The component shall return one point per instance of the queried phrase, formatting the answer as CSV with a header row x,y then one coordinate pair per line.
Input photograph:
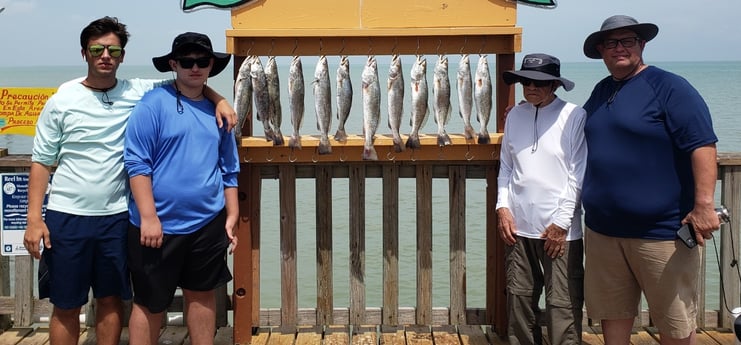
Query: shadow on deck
x,y
340,335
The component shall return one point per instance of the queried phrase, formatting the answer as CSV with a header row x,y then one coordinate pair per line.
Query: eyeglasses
x,y
201,62
97,50
537,83
625,42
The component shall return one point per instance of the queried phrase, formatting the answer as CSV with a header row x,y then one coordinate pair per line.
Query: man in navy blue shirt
x,y
651,167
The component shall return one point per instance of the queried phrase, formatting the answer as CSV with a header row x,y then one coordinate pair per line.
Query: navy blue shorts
x,y
196,261
86,251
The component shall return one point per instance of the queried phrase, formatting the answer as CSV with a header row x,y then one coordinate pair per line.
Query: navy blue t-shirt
x,y
640,135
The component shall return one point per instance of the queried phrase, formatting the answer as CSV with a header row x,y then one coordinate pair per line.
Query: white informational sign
x,y
14,210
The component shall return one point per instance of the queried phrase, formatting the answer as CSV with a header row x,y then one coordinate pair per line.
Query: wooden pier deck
x,y
344,335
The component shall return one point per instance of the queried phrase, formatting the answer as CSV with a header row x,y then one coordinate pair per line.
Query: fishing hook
x,y
313,155
292,155
321,46
416,52
342,49
440,155
272,46
247,160
468,155
439,44
396,42
483,44
390,156
249,50
463,47
295,45
269,156
412,157
370,46
343,157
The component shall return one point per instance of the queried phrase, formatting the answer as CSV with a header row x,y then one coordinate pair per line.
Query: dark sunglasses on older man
x,y
97,50
537,83
201,62
625,42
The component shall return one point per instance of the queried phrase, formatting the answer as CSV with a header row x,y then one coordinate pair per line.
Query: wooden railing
x,y
20,307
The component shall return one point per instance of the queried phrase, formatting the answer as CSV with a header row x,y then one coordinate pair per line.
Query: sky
x,y
46,32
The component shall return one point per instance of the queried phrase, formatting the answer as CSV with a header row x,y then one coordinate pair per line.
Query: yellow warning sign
x,y
20,108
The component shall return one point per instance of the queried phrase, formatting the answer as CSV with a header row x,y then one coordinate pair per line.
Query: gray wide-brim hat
x,y
192,41
538,67
646,31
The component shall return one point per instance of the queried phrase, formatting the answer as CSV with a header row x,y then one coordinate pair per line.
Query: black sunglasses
x,y
97,50
201,62
537,83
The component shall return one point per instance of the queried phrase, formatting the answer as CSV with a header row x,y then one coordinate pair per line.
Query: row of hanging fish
x,y
257,89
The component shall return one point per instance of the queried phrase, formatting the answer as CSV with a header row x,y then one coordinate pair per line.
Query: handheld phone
x,y
687,235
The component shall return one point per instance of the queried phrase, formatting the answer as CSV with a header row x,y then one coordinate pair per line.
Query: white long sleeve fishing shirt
x,y
543,156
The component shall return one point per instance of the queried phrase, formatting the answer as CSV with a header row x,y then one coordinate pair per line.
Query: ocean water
x,y
716,81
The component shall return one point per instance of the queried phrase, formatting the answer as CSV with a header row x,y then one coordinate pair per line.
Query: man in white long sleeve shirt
x,y
542,161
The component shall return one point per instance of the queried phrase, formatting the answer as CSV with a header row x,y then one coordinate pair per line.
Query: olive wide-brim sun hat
x,y
192,41
646,31
538,67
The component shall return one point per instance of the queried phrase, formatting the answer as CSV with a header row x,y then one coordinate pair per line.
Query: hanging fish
x,y
243,96
441,92
465,96
344,97
371,107
296,100
419,101
482,94
260,96
275,113
396,101
323,104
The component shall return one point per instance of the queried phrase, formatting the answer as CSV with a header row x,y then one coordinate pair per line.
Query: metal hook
x,y
481,49
416,52
246,160
343,47
272,46
269,157
321,46
343,157
390,156
412,157
468,156
292,155
439,44
393,49
370,46
313,155
295,45
249,50
463,47
440,155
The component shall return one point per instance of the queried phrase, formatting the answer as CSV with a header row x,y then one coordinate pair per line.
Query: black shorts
x,y
196,261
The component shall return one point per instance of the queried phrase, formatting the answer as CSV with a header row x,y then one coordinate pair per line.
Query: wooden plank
x,y
457,244
336,335
13,336
496,298
364,335
730,286
124,339
640,337
419,335
494,338
390,245
445,335
256,150
88,336
357,244
392,335
24,282
309,335
324,252
5,321
288,264
224,336
720,337
591,336
283,335
472,335
424,244
173,335
244,284
39,336
261,336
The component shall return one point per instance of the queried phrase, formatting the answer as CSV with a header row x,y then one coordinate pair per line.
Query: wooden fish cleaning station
x,y
379,27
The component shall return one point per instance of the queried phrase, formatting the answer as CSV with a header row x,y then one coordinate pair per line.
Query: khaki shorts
x,y
618,269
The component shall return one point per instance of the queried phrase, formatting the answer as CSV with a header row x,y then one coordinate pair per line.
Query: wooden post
x,y
730,292
390,311
457,251
357,244
324,293
424,244
289,274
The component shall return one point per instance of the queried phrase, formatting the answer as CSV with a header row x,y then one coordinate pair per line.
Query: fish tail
x,y
484,137
278,138
324,146
294,141
413,141
340,135
469,132
443,139
369,153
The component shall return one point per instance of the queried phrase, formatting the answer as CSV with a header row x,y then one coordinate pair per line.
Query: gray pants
x,y
528,270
